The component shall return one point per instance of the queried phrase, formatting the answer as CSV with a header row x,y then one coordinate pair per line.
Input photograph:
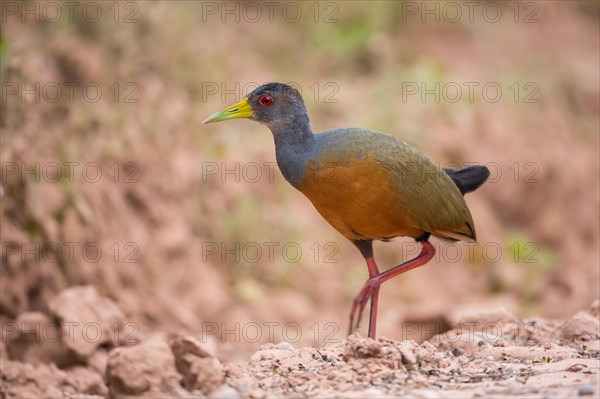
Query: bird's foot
x,y
370,290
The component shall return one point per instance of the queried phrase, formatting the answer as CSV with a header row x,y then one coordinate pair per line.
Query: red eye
x,y
266,100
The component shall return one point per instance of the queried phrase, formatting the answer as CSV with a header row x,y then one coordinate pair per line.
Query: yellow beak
x,y
239,110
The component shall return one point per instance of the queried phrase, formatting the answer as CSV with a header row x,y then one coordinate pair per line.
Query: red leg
x,y
360,300
373,313
371,287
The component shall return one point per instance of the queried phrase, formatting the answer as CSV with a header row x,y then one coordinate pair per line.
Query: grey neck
x,y
294,142
294,131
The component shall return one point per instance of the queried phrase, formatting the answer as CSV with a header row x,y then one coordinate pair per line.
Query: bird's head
x,y
272,104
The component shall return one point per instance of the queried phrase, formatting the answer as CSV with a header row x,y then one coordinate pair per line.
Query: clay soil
x,y
490,354
156,278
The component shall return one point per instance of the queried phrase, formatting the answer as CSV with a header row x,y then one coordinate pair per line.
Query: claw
x,y
367,292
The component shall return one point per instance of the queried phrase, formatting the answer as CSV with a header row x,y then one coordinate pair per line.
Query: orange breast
x,y
358,198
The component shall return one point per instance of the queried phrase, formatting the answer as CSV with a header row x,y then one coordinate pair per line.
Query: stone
x,y
200,370
482,321
595,308
362,348
581,326
36,338
26,380
187,344
87,319
585,389
225,392
147,369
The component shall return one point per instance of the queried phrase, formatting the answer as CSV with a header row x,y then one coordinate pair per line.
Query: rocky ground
x,y
128,317
83,349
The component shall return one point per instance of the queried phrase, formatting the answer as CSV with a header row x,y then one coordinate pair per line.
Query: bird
x,y
368,185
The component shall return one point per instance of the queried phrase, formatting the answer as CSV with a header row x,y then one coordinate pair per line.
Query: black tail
x,y
470,178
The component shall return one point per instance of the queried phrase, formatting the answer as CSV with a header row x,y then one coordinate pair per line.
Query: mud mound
x,y
485,354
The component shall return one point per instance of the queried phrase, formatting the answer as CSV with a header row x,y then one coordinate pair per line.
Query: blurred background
x,y
110,179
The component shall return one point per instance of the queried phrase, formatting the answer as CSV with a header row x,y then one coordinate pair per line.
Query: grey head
x,y
280,107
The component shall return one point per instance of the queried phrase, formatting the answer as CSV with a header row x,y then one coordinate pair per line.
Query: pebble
x,y
83,306
581,325
458,352
366,394
428,394
489,358
284,345
225,392
585,389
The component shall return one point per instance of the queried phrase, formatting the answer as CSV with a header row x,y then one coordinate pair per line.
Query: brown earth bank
x,y
135,282
82,348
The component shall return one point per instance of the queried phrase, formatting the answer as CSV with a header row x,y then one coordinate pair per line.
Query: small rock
x,y
576,367
514,386
271,353
26,380
468,342
188,344
482,321
87,381
204,374
408,356
593,345
284,345
369,393
362,348
585,389
199,369
225,392
146,369
458,352
595,308
529,354
98,361
581,326
428,394
37,339
88,320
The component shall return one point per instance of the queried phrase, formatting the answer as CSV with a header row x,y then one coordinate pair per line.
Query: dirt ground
x,y
144,281
491,354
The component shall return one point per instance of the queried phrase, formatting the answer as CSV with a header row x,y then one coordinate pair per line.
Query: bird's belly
x,y
359,200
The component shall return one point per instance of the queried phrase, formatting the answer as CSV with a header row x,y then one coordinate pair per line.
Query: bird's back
x,y
371,185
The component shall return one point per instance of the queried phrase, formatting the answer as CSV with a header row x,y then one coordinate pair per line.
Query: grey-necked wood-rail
x,y
367,185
